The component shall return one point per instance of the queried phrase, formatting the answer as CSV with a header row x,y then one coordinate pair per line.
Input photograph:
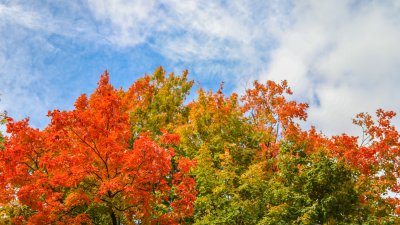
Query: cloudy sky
x,y
340,56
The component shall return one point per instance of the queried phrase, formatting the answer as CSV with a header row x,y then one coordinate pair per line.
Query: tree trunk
x,y
113,218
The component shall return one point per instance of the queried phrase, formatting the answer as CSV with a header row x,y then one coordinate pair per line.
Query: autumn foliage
x,y
86,160
146,156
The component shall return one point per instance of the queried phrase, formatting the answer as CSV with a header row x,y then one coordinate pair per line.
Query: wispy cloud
x,y
341,56
207,33
17,75
25,91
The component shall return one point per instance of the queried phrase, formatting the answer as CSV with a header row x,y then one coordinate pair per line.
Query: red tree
x,y
85,167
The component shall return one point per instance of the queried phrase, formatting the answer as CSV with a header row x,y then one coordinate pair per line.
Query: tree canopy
x,y
148,155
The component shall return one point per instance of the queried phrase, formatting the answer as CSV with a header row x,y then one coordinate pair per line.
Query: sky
x,y
340,56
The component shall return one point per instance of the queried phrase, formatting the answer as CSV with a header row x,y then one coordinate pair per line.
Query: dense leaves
x,y
82,168
149,156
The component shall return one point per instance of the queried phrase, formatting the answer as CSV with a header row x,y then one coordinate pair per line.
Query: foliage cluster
x,y
148,156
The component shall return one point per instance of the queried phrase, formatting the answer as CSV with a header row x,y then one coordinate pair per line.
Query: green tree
x,y
224,136
310,189
223,143
157,101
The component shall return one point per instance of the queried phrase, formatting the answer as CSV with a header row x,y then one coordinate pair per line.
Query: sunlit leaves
x,y
147,156
89,158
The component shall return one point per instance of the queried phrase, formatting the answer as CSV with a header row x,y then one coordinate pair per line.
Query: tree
x,y
224,135
219,138
375,158
87,167
310,188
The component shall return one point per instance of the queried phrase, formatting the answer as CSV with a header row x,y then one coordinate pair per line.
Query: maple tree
x,y
148,156
375,157
85,167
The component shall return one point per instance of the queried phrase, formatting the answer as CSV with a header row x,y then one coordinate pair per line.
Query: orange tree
x,y
86,167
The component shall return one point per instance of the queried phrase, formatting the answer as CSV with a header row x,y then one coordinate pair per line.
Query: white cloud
x,y
197,32
25,91
16,76
344,52
15,14
132,22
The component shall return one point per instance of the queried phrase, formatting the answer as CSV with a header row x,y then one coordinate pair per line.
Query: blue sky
x,y
340,56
